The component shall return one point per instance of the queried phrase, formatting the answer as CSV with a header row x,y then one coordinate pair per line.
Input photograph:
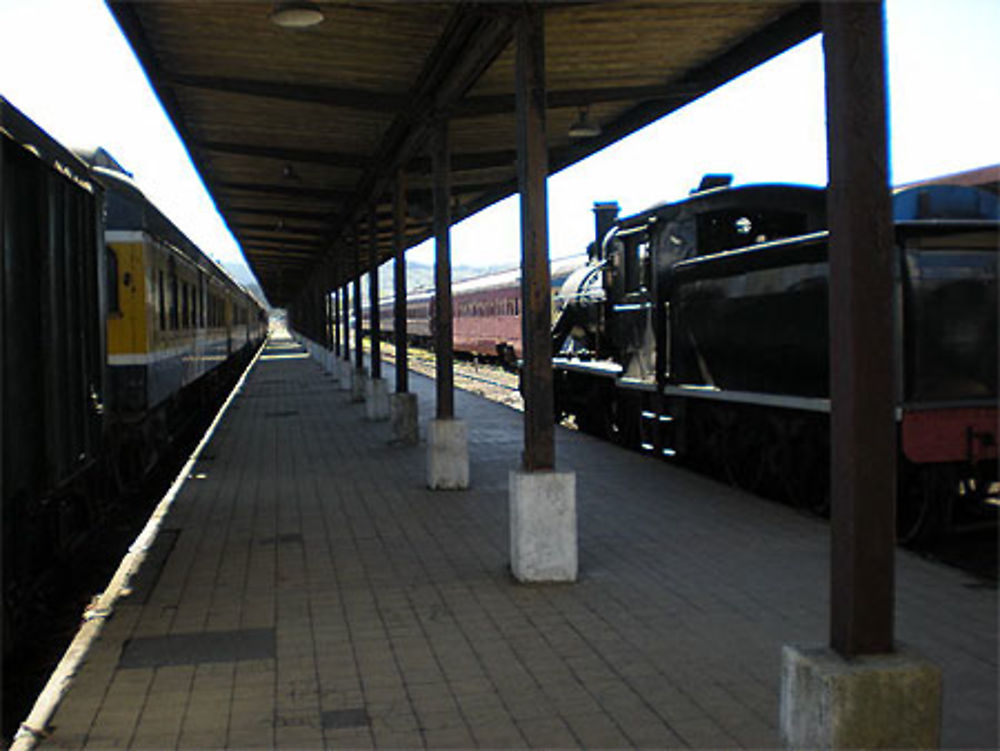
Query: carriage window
x,y
163,304
174,299
112,263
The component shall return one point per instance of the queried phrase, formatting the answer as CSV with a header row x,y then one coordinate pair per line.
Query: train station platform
x,y
306,590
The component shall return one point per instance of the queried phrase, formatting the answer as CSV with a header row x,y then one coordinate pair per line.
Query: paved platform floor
x,y
308,591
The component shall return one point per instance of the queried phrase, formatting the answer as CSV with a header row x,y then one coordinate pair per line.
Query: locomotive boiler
x,y
699,330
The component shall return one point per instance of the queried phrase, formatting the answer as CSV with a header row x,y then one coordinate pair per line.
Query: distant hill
x,y
419,276
241,274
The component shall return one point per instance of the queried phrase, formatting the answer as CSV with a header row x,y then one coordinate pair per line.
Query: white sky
x,y
64,63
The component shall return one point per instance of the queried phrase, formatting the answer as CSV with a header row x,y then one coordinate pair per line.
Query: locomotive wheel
x,y
133,456
710,428
924,496
744,458
699,454
802,466
595,421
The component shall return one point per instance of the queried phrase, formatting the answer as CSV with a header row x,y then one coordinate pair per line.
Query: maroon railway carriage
x,y
486,310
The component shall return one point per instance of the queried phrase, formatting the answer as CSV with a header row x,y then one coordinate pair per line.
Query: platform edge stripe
x,y
34,728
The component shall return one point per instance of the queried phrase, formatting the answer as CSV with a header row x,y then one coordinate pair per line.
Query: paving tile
x,y
458,738
348,739
390,599
596,731
498,734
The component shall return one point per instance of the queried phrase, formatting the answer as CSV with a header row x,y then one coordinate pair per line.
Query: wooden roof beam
x,y
292,191
323,217
276,227
381,102
288,154
498,104
792,28
472,39
296,242
460,162
333,96
264,255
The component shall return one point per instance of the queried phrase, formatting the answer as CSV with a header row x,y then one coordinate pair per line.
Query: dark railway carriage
x,y
708,339
52,339
108,316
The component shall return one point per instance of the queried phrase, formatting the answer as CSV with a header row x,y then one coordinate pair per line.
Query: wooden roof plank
x,y
309,128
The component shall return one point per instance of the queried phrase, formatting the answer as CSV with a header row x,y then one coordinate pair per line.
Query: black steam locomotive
x,y
699,330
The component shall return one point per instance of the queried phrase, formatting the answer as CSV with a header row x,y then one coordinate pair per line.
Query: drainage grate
x,y
336,719
191,649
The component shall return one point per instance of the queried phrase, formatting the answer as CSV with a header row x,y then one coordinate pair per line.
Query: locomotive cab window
x,y
739,228
645,265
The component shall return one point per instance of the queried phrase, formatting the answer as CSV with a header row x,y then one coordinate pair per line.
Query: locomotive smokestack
x,y
605,215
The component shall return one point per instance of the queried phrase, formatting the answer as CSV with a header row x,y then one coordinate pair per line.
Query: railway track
x,y
483,379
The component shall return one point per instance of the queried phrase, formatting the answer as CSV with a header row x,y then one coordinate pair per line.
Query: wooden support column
x,y
374,314
543,540
863,432
309,305
328,303
324,300
831,697
440,158
536,315
336,318
359,353
399,307
345,308
319,316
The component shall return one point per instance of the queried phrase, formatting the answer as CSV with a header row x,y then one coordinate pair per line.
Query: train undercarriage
x,y
778,453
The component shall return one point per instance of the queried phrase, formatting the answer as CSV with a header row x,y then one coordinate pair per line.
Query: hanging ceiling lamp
x,y
296,14
584,127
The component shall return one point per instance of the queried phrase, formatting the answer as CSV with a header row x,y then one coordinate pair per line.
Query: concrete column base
x,y
376,399
447,455
344,369
872,702
543,545
403,418
358,380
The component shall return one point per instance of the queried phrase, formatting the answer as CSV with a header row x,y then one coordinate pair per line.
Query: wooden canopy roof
x,y
297,133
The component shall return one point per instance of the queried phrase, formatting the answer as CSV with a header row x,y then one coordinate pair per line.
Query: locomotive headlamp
x,y
296,14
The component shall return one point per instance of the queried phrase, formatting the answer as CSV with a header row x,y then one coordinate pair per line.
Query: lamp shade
x,y
584,127
296,14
